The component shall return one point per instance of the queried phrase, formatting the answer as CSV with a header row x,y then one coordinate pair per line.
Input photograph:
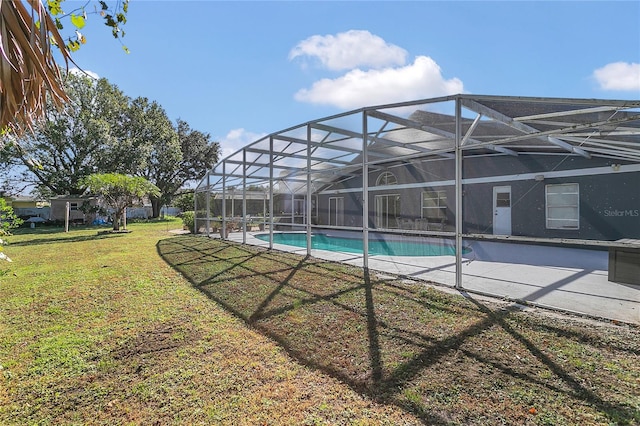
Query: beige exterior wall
x,y
58,209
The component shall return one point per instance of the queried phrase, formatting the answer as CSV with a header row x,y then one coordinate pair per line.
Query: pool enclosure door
x,y
501,210
387,211
336,211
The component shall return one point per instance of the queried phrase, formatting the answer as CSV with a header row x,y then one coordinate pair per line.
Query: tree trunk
x,y
117,216
156,205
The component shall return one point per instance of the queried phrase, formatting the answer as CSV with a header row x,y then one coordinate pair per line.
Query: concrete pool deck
x,y
496,270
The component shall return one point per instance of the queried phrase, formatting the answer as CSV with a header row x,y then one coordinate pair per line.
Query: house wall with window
x,y
58,208
545,196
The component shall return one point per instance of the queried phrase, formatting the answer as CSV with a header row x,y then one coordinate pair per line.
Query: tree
x,y
147,133
157,142
73,142
119,191
28,71
171,167
101,130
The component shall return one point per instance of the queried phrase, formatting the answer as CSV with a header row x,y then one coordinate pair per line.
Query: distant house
x,y
79,208
26,207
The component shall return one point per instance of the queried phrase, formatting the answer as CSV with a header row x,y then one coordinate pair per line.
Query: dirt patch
x,y
165,337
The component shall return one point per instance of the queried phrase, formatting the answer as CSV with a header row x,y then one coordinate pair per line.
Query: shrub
x,y
8,220
184,201
188,219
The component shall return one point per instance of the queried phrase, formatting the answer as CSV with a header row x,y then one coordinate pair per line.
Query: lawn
x,y
154,328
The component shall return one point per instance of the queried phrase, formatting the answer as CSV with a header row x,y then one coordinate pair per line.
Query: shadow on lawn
x,y
444,361
65,238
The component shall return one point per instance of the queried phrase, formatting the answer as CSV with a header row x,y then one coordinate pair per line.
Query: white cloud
x,y
357,88
351,49
78,71
619,76
237,139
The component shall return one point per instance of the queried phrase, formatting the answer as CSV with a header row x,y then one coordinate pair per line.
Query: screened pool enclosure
x,y
534,199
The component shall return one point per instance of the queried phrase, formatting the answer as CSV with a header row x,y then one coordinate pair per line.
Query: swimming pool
x,y
353,244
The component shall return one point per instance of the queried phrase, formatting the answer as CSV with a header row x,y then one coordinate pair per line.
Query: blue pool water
x,y
377,246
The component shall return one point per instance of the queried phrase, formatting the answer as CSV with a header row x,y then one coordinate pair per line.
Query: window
x,y
386,178
434,205
562,203
73,206
503,199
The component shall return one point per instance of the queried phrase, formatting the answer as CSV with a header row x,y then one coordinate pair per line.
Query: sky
x,y
240,70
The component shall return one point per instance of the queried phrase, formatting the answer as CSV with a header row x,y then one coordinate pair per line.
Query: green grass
x,y
149,327
99,329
